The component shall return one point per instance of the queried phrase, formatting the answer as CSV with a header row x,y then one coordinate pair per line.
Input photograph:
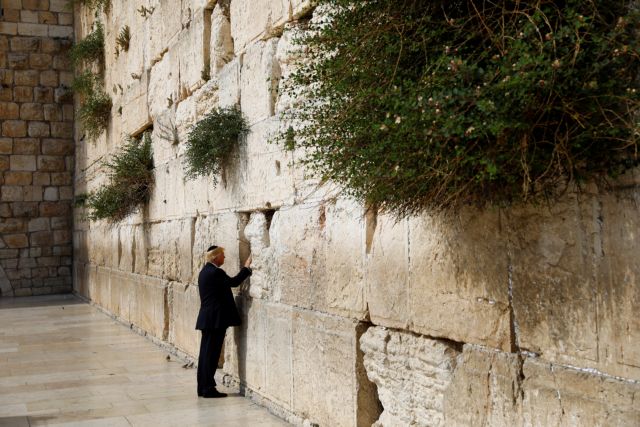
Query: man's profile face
x,y
219,260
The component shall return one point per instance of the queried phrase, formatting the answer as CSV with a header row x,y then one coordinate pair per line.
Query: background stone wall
x,y
36,147
524,316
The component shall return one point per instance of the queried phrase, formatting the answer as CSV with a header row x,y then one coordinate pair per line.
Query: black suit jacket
x,y
217,306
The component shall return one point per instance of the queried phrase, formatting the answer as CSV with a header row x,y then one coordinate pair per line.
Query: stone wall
x,y
524,316
36,147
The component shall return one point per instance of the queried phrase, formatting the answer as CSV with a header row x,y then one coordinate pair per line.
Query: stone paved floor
x,y
64,363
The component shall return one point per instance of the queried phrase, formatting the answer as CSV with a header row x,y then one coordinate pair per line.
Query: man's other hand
x,y
247,263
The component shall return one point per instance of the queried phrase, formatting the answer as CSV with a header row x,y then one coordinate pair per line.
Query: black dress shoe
x,y
213,394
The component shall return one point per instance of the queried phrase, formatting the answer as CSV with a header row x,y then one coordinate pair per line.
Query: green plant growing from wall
x,y
212,140
84,83
123,39
130,182
95,105
414,105
90,49
95,112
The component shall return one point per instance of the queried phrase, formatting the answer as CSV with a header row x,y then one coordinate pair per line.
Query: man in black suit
x,y
217,312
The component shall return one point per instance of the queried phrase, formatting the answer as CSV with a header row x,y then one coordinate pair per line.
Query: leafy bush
x,y
84,83
212,140
418,104
131,178
90,49
95,112
123,39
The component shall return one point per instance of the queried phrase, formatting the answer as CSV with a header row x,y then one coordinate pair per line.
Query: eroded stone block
x,y
411,372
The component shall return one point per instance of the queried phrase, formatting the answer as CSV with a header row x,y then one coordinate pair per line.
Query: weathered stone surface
x,y
485,389
169,250
184,303
229,83
253,19
259,78
296,261
135,108
460,262
221,41
561,259
411,372
193,51
566,396
163,84
501,389
324,354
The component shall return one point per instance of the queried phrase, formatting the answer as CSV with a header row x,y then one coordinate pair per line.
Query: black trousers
x,y
210,347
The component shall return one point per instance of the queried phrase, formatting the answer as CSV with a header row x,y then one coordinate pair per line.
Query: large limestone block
x,y
123,287
229,193
458,286
298,264
196,196
80,245
485,389
259,79
257,235
411,372
221,43
169,249
122,64
164,25
553,280
165,138
148,304
278,346
139,250
618,295
135,108
167,197
228,77
185,118
100,290
344,248
185,304
387,270
81,278
289,55
253,19
245,355
267,165
163,84
103,245
324,368
556,395
192,49
126,247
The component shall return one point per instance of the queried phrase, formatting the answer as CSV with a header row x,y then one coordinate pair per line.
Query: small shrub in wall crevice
x,y
212,140
95,113
427,104
123,40
90,49
130,182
